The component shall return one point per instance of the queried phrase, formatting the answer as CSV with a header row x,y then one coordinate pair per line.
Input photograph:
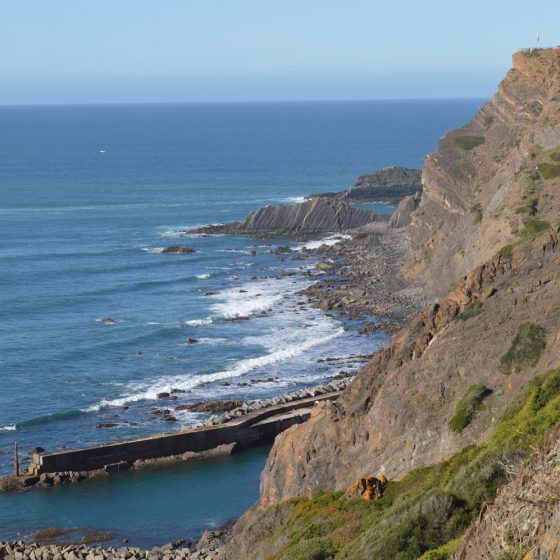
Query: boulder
x,y
178,249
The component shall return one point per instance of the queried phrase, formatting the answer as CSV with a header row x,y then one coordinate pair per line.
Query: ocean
x,y
89,195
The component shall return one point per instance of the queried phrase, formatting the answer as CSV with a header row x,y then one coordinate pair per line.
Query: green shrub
x,y
468,143
513,555
525,350
505,251
530,208
476,209
488,120
548,170
533,227
555,156
442,552
467,407
545,391
473,309
491,291
316,548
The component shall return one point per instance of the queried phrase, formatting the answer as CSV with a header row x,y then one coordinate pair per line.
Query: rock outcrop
x,y
403,214
390,184
178,249
316,215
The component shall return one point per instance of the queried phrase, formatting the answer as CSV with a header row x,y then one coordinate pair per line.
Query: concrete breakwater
x,y
252,424
286,398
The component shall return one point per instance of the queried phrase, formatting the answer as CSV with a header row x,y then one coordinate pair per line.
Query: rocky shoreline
x,y
358,279
207,548
362,281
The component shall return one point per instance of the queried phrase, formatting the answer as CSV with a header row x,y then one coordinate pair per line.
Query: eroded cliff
x,y
483,181
485,233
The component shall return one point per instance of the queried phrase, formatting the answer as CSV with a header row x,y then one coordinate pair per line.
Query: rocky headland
x,y
470,385
390,184
317,215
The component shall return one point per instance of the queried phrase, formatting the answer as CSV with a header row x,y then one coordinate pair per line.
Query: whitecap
x,y
152,249
203,276
182,231
199,322
328,241
139,392
11,428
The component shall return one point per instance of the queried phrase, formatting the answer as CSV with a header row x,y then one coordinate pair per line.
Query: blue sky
x,y
84,51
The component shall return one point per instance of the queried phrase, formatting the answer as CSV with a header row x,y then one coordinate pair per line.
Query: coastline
x,y
346,290
331,293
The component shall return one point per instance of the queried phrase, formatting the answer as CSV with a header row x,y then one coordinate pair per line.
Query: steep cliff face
x,y
395,415
482,176
488,223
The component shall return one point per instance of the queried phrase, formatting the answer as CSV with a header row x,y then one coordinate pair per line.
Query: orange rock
x,y
367,488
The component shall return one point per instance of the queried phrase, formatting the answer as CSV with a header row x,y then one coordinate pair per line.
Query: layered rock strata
x,y
314,216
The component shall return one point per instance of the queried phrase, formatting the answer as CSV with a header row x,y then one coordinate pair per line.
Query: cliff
x,y
394,416
483,182
390,184
483,241
316,215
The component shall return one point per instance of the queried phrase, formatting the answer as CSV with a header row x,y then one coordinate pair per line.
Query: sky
x,y
120,51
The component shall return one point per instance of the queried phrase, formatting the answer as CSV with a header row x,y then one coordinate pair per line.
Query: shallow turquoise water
x,y
149,508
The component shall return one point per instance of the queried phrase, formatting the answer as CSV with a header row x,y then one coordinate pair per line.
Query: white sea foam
x,y
152,249
203,276
212,341
328,241
139,392
199,322
240,251
254,297
11,428
294,199
181,231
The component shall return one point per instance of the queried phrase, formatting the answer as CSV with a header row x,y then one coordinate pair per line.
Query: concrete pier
x,y
252,429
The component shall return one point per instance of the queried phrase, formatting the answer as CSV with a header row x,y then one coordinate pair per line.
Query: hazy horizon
x,y
102,52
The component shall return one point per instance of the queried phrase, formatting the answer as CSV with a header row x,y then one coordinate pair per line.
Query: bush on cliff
x,y
425,513
468,143
525,350
471,310
467,407
549,170
533,228
316,548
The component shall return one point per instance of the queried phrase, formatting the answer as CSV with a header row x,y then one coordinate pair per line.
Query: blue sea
x,y
89,196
